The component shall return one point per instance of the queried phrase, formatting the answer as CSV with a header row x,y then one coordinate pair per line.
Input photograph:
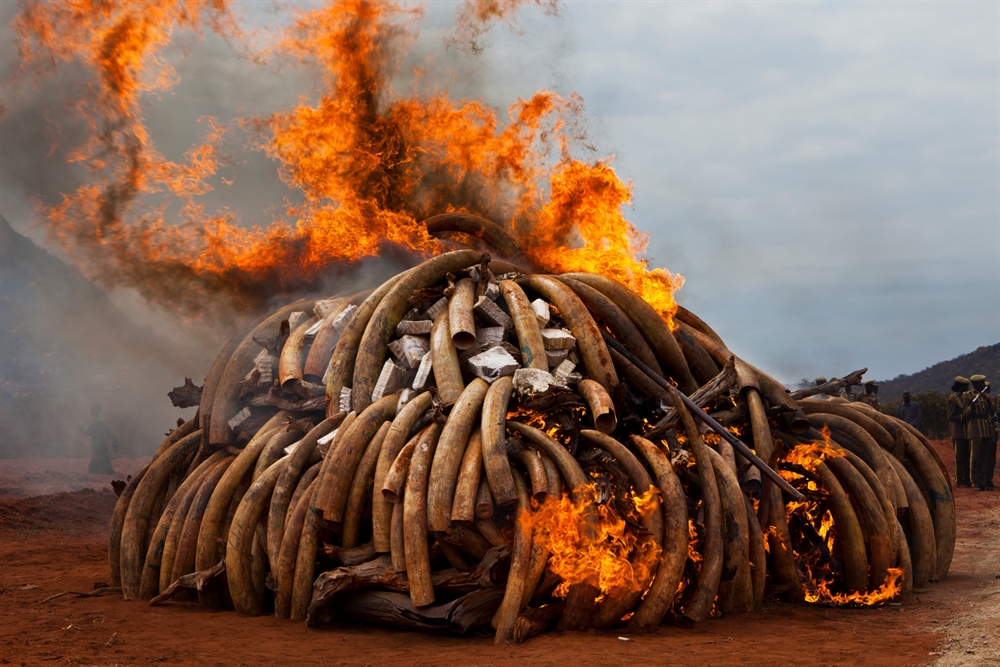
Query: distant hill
x,y
65,345
939,377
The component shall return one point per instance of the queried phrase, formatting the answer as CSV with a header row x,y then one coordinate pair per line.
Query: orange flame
x,y
890,589
368,164
809,456
591,543
814,535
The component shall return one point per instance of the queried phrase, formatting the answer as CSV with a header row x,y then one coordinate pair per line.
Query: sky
x,y
825,176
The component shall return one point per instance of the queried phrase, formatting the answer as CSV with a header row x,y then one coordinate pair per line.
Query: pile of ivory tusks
x,y
414,479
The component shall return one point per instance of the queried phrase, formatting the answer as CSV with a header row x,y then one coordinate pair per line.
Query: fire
x,y
367,163
891,588
809,456
592,543
694,542
814,535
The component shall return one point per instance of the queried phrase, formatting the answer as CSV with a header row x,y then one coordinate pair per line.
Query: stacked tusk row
x,y
461,447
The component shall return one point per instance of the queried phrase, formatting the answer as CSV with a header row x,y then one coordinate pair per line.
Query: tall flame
x,y
367,163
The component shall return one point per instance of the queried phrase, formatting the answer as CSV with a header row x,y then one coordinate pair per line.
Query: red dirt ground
x,y
54,543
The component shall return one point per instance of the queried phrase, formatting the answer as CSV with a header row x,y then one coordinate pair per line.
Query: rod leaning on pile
x,y
714,425
452,431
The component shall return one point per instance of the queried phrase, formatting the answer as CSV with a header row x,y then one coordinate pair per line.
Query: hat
x,y
978,378
868,382
961,380
821,380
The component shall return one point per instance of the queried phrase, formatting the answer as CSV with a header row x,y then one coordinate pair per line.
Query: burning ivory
x,y
472,444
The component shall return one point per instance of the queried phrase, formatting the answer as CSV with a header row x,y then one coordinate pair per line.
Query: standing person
x,y
956,424
978,428
991,448
870,396
823,397
909,411
102,441
847,394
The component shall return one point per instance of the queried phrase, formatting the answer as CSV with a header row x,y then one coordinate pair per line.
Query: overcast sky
x,y
824,175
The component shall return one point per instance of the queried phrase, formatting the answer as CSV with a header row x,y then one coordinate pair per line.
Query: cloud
x,y
824,175
829,171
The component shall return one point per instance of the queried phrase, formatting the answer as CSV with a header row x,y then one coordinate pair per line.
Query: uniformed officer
x,y
822,397
979,429
847,394
991,449
871,395
956,424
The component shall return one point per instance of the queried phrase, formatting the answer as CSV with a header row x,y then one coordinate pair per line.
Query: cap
x,y
821,380
961,380
869,382
978,378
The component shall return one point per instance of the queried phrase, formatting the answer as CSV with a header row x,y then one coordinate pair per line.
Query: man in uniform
x,y
979,428
870,396
847,394
909,411
956,424
991,448
102,441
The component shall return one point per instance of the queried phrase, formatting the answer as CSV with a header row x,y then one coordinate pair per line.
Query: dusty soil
x,y
55,543
23,478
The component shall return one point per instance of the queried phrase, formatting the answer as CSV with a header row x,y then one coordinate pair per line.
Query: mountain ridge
x,y
940,376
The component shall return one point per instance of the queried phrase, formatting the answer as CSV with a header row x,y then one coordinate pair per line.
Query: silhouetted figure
x,y
909,411
102,442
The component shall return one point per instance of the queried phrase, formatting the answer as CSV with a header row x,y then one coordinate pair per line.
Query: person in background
x,y
870,396
978,428
848,394
822,397
102,442
909,411
956,424
991,446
